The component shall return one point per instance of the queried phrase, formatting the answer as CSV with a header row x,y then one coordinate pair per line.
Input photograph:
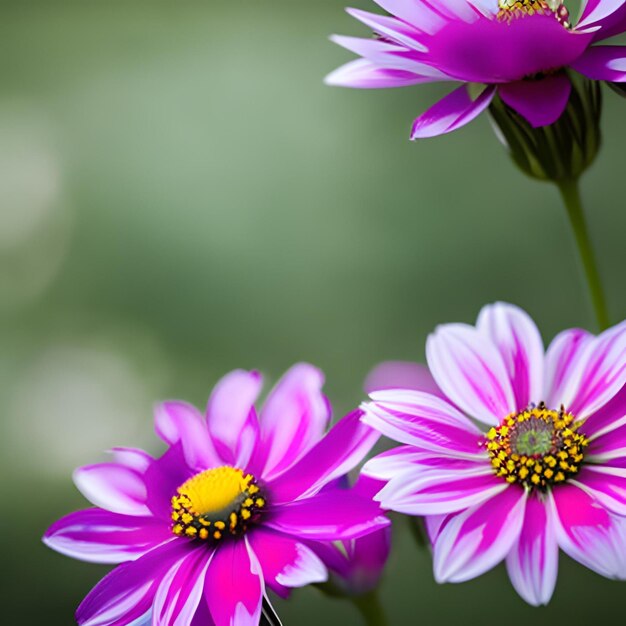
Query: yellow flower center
x,y
217,502
509,9
537,447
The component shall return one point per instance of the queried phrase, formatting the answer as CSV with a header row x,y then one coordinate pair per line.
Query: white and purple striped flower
x,y
228,511
519,49
511,453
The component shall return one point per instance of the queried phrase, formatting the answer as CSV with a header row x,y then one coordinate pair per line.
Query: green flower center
x,y
537,447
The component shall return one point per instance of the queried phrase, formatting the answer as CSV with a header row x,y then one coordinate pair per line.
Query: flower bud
x,y
561,151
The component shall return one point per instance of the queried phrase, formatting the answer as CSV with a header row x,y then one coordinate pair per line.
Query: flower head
x,y
518,50
230,509
517,452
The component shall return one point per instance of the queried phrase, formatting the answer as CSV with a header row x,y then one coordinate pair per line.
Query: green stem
x,y
570,193
368,604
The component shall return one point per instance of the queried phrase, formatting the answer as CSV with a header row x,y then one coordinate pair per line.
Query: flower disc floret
x,y
537,448
215,503
510,9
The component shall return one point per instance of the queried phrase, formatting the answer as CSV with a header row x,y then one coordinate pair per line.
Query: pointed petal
x,y
115,488
541,102
294,418
364,74
533,562
517,338
587,532
285,561
180,591
231,417
234,585
328,516
126,594
425,421
452,112
606,484
603,371
181,422
473,541
343,447
440,491
564,360
603,63
99,536
470,371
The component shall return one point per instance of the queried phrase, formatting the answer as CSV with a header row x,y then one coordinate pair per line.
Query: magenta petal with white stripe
x,y
235,598
100,536
547,469
452,112
113,487
603,63
522,49
533,561
337,514
477,539
459,357
231,506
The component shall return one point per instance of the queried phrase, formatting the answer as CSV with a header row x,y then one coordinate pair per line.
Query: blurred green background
x,y
181,195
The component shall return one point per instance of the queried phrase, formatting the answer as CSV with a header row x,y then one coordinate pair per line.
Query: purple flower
x,y
225,512
357,564
521,453
518,49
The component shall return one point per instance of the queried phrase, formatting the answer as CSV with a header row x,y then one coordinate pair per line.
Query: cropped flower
x,y
521,452
226,512
518,49
356,565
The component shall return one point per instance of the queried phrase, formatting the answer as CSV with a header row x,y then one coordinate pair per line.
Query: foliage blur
x,y
181,195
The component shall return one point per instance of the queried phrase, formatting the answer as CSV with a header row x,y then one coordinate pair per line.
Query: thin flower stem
x,y
370,608
570,193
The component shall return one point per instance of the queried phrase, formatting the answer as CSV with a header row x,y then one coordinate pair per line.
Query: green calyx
x,y
563,150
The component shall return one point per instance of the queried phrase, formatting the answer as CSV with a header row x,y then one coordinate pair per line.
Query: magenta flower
x,y
356,565
519,454
226,512
518,49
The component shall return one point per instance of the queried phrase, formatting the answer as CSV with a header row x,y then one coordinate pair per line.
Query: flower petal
x,y
328,516
439,491
401,375
285,561
606,484
452,112
603,371
596,12
234,585
126,594
564,360
181,422
473,541
587,532
343,447
294,418
427,422
603,63
231,417
541,102
517,338
102,537
181,590
606,428
115,488
471,372
363,74
533,562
